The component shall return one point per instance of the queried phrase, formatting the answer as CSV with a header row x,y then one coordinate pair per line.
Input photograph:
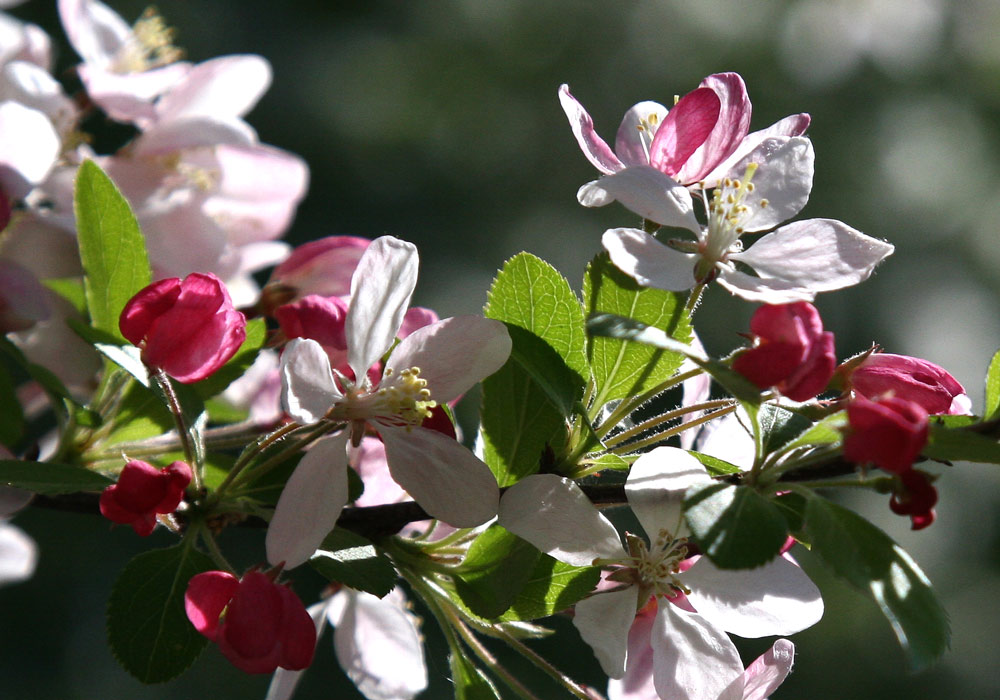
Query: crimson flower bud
x,y
259,625
793,353
323,267
318,318
143,491
916,497
889,433
188,328
909,378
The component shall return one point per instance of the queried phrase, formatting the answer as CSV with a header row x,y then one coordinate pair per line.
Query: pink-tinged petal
x,y
632,141
380,294
684,130
656,485
783,177
284,682
603,621
378,645
593,146
33,86
323,267
29,146
129,97
637,683
416,317
792,125
651,263
647,192
693,659
310,503
447,480
225,86
95,30
553,514
18,554
777,598
768,671
308,389
368,460
207,596
818,255
192,132
730,128
453,354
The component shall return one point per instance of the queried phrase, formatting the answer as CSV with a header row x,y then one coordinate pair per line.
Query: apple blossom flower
x,y
914,495
910,378
792,352
888,432
22,41
377,642
692,657
143,491
432,365
188,328
769,185
259,625
691,143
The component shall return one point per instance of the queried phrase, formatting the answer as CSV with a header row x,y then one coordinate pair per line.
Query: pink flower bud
x,y
793,353
322,267
909,378
889,433
320,319
259,625
143,491
188,328
916,497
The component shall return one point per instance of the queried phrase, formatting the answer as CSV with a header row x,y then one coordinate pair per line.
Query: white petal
x,y
695,391
18,554
552,513
692,659
378,645
728,438
784,178
777,598
637,683
792,125
95,30
768,671
817,254
283,682
764,291
648,192
307,386
453,354
228,86
29,146
656,485
650,262
380,294
310,503
629,139
447,480
604,620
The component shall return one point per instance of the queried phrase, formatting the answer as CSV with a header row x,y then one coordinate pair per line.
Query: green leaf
x,y
52,385
793,507
12,424
552,586
610,460
867,558
622,369
629,329
828,431
546,326
354,561
780,426
955,445
470,682
714,465
49,477
112,249
734,525
148,631
992,406
494,571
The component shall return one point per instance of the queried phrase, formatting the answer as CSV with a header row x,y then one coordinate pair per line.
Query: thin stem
x,y
651,423
251,452
163,381
540,662
670,432
213,550
694,296
628,405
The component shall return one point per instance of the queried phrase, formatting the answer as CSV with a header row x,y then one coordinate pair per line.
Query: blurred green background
x,y
438,122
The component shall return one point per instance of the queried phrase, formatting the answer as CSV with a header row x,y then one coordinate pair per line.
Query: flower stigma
x,y
401,399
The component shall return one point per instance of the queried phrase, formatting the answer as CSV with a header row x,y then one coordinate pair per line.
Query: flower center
x,y
150,46
401,399
728,213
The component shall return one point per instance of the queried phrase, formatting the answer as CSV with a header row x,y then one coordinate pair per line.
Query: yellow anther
x,y
764,203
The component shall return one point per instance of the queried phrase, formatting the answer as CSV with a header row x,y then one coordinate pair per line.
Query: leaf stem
x,y
651,423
